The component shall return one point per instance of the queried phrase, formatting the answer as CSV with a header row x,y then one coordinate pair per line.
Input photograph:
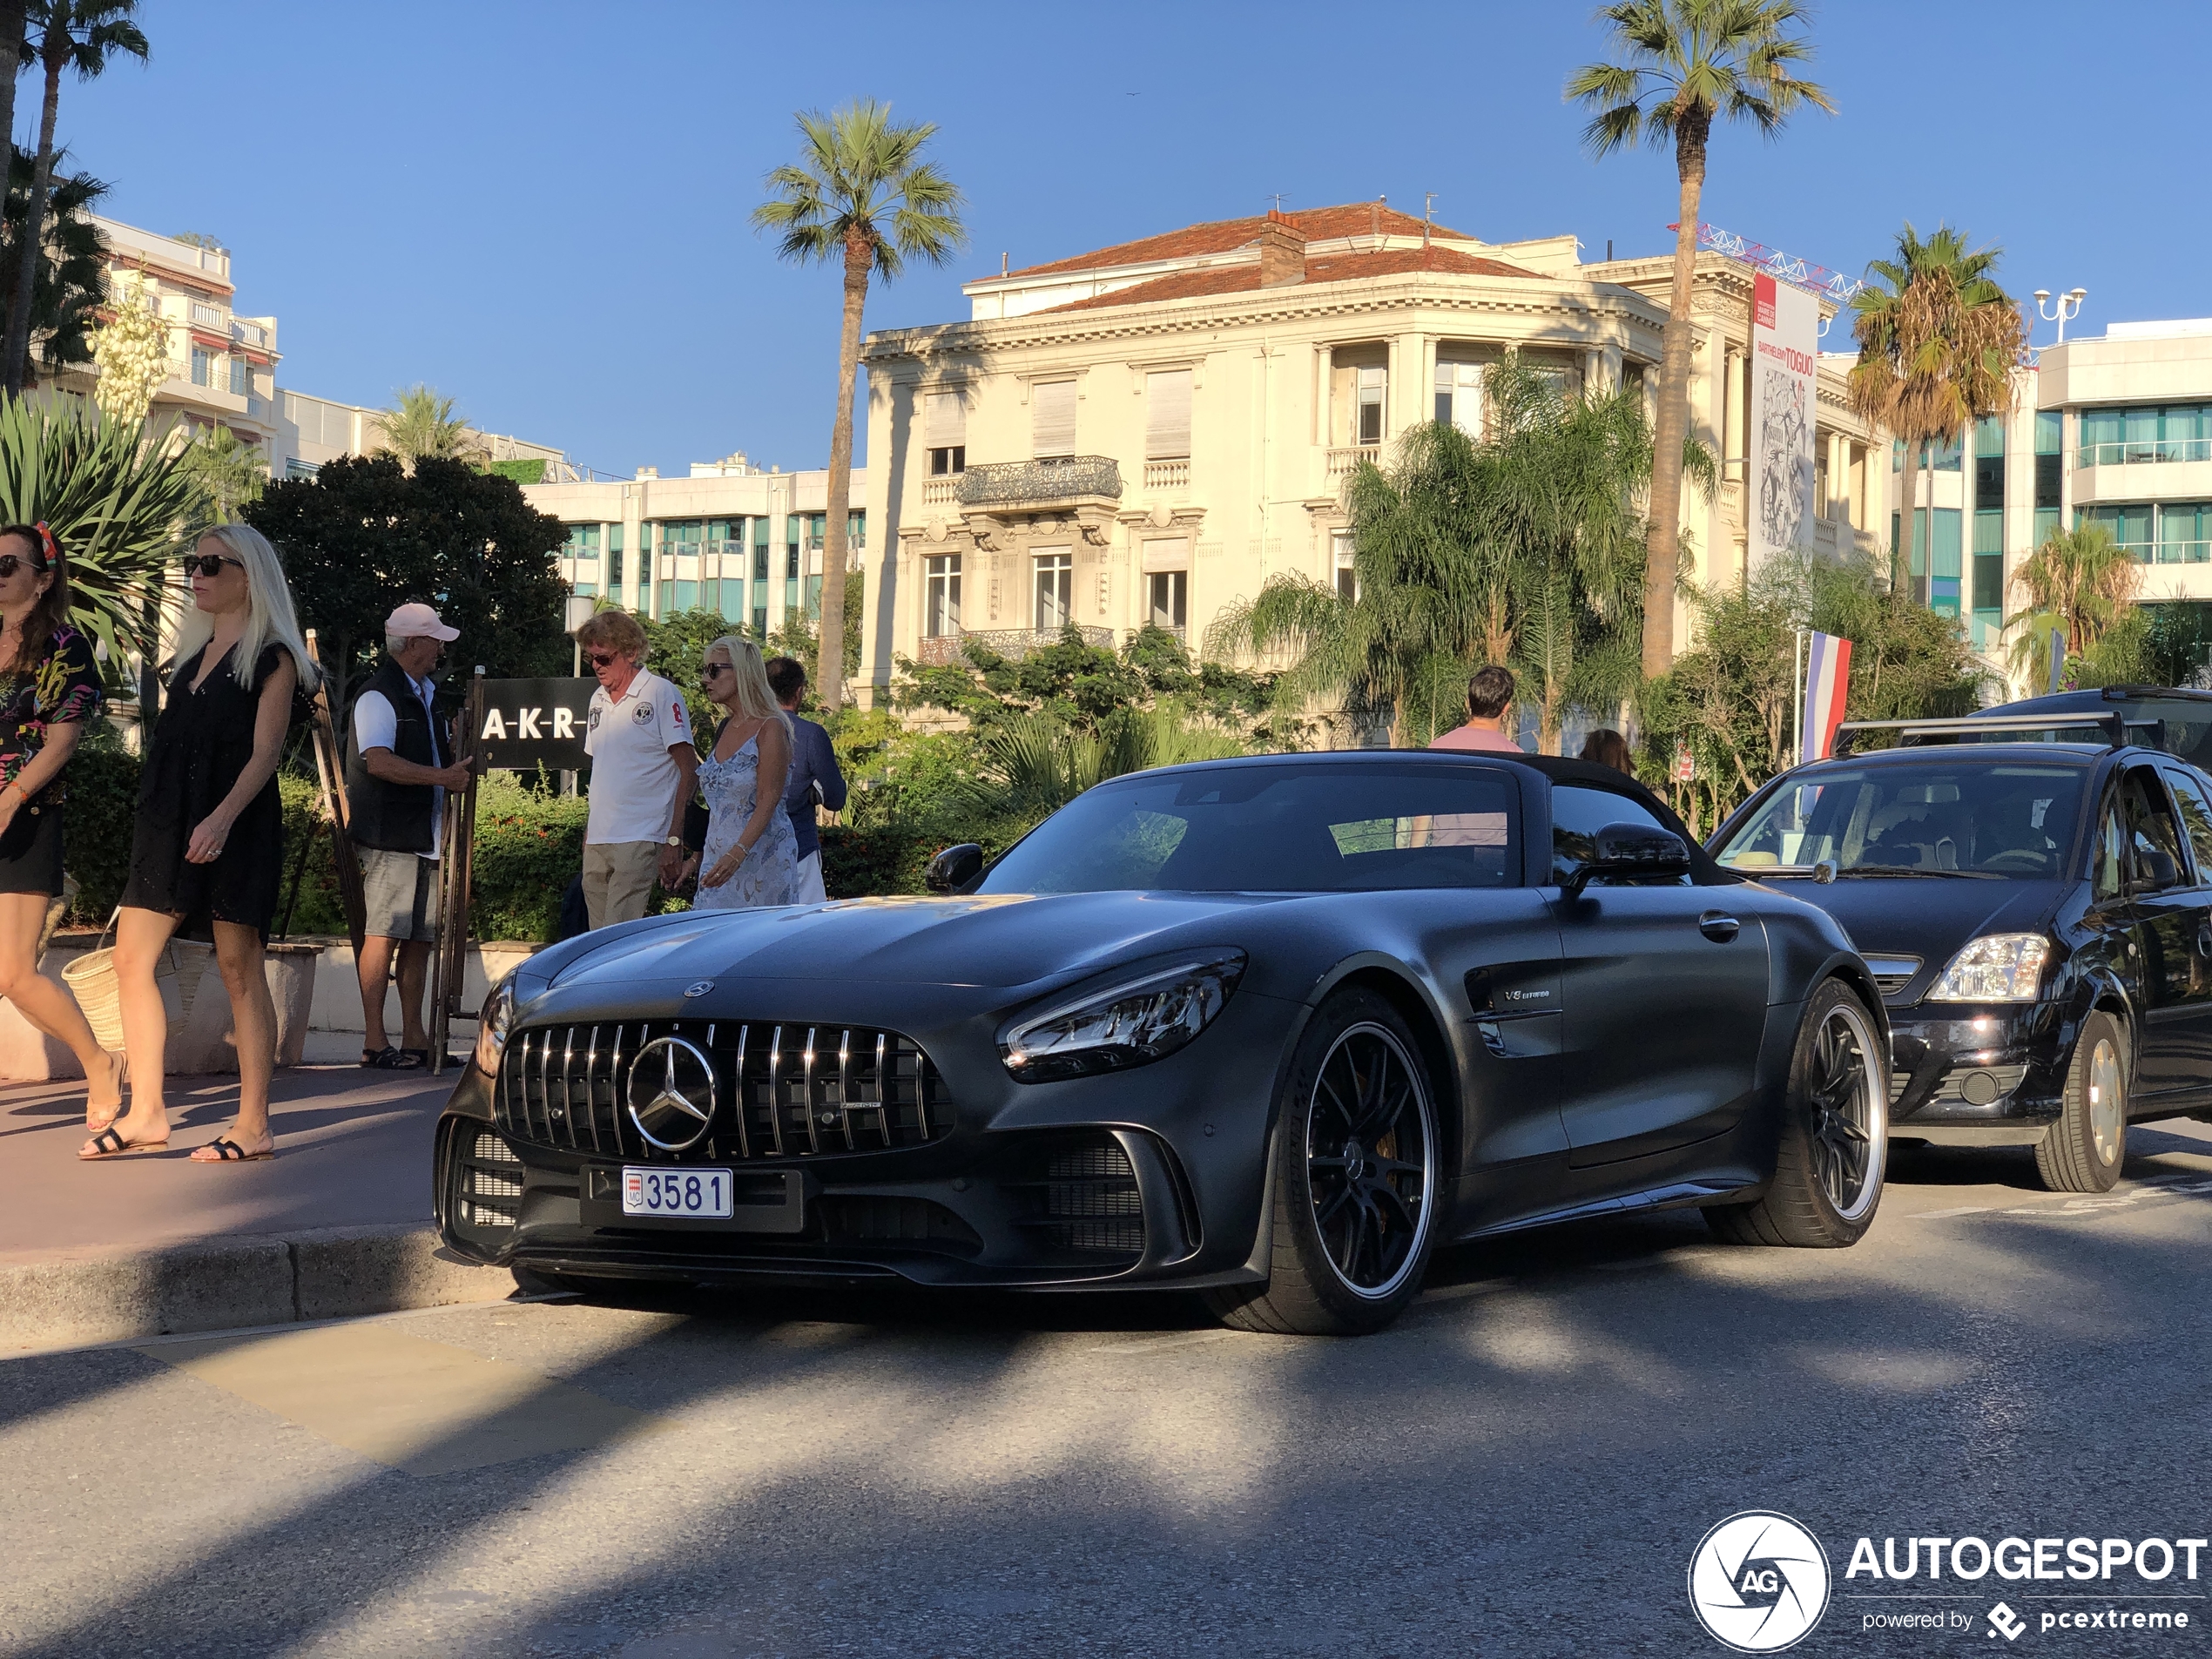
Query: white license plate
x,y
700,1195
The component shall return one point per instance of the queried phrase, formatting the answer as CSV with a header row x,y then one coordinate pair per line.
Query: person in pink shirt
x,y
1489,695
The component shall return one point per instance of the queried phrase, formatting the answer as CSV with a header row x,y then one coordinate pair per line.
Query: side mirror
x,y
2153,870
1629,850
955,869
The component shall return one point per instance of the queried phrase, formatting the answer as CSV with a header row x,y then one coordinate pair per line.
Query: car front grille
x,y
1892,973
1083,1199
490,1192
1967,1084
782,1090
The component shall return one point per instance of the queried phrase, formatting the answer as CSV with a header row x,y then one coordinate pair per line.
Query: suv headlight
x,y
493,1024
1129,1024
1997,967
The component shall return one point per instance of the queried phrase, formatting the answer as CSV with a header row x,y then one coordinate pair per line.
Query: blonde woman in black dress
x,y
210,840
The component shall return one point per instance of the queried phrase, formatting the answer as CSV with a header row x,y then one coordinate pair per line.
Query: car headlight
x,y
1129,1024
493,1024
1997,967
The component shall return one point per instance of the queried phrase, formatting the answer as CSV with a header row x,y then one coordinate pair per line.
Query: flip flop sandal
x,y
391,1059
418,1059
229,1151
112,1145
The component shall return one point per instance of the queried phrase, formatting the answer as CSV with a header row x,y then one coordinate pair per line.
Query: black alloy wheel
x,y
1354,1179
1833,1148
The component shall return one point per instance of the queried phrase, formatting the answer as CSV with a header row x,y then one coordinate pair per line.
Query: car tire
x,y
1355,1179
1829,1166
2082,1152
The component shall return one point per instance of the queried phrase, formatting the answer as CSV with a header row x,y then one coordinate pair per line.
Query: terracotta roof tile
x,y
1343,267
1317,224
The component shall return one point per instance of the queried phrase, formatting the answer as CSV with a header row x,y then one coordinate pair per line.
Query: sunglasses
x,y
715,670
209,563
11,563
601,658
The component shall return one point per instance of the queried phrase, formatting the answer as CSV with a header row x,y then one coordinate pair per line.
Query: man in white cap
x,y
399,764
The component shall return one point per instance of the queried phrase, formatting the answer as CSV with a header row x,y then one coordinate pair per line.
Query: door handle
x,y
2204,938
1718,927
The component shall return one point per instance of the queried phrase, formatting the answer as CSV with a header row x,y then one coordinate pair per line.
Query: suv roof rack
x,y
2112,724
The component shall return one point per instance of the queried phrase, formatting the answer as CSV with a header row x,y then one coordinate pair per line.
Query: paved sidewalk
x,y
337,1221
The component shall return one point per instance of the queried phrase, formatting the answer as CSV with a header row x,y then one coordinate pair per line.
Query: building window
x,y
1373,385
1346,574
241,378
1167,416
1055,590
944,431
296,468
583,554
1459,397
1168,592
1944,579
202,366
2050,437
940,596
2147,433
1052,414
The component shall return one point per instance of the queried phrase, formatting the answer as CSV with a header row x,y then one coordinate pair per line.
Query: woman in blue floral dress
x,y
50,686
750,856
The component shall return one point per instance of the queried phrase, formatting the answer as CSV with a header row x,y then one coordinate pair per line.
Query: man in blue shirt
x,y
813,778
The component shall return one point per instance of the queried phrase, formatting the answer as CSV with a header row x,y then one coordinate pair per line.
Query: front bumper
x,y
1977,1074
1147,1178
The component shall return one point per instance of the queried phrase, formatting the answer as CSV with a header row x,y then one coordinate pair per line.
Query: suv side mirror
x,y
1629,850
954,869
2153,870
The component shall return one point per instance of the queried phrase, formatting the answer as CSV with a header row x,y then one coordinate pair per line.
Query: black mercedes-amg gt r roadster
x,y
1270,1030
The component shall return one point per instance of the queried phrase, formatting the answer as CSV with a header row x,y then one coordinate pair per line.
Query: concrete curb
x,y
221,1284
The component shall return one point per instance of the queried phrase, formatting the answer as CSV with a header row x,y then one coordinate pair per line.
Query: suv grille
x,y
782,1090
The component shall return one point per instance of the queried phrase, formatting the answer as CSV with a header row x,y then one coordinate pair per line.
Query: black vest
x,y
395,817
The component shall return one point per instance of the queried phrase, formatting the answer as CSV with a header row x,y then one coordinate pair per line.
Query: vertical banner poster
x,y
1827,680
1785,331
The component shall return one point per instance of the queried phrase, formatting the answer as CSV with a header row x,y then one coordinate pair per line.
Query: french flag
x,y
1827,680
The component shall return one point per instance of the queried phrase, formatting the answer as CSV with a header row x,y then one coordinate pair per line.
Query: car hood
x,y
1930,919
995,940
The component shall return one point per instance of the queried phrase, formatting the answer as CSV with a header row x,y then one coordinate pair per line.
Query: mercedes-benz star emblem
x,y
698,988
671,1093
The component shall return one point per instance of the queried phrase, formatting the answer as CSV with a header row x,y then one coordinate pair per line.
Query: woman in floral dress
x,y
751,856
49,688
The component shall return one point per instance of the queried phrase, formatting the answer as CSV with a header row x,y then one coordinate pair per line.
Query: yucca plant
x,y
117,504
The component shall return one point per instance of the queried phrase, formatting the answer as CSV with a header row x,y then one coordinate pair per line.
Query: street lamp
x,y
580,610
2069,306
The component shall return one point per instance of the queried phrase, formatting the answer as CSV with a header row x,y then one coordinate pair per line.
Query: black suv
x,y
2038,915
2158,717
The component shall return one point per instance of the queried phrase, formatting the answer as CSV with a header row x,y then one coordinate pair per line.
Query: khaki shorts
x,y
618,880
400,894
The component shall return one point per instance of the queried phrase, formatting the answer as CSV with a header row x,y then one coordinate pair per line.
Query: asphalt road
x,y
1525,1466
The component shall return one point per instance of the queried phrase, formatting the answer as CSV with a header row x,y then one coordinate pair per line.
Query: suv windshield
x,y
1325,828
1991,820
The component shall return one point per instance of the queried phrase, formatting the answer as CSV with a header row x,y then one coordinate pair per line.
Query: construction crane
x,y
1785,267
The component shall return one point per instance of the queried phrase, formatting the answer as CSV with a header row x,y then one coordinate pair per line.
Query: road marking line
x,y
419,1406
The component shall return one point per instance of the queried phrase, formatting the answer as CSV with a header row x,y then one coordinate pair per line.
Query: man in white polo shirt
x,y
642,764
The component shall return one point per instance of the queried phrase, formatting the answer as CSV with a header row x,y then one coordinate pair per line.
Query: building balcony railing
x,y
252,334
2168,552
1167,477
2134,452
1344,460
939,649
1066,478
941,491
210,316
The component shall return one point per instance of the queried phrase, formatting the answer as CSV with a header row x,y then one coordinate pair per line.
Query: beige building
x,y
730,536
311,430
1145,432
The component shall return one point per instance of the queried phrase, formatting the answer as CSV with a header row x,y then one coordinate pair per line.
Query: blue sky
x,y
541,209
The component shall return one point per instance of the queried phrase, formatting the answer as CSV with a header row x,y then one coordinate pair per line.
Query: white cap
x,y
417,622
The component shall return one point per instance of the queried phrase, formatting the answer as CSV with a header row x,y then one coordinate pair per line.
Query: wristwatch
x,y
676,841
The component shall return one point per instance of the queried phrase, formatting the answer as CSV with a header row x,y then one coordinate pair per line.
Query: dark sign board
x,y
528,724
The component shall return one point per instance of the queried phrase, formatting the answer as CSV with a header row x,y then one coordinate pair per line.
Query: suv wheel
x,y
2082,1152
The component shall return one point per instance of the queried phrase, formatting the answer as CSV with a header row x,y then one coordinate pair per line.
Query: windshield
x,y
1997,820
1295,828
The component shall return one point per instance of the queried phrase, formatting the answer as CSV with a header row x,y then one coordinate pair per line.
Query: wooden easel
x,y
330,767
449,962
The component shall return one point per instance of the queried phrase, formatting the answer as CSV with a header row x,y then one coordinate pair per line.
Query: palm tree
x,y
860,191
2080,582
69,285
82,34
1938,342
226,472
421,425
1682,64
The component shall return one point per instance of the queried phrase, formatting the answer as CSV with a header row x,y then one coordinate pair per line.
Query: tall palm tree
x,y
13,14
2080,582
420,425
82,34
69,285
860,192
1938,342
1683,63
